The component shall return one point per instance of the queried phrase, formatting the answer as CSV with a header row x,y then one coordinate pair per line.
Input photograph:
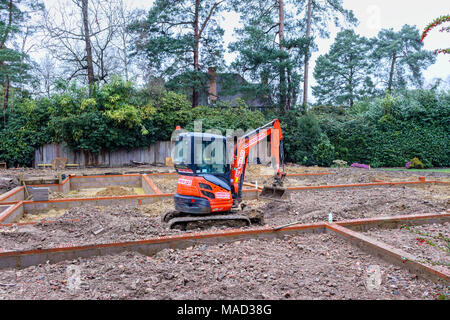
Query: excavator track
x,y
235,219
190,223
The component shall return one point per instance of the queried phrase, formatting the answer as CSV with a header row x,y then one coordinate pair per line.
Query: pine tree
x,y
343,73
270,47
14,63
181,38
400,58
317,17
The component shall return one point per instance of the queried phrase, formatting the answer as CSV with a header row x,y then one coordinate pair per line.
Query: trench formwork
x,y
14,205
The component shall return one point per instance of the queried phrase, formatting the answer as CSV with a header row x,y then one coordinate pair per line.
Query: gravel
x,y
300,267
430,244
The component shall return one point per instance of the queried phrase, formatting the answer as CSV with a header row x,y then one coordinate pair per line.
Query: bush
x,y
302,133
324,152
385,131
339,164
416,164
389,131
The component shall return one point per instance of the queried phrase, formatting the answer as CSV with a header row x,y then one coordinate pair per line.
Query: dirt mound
x,y
166,183
8,183
115,191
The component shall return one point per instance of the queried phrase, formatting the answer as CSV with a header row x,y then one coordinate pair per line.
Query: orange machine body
x,y
220,200
205,186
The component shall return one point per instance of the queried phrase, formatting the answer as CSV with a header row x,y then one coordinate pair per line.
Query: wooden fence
x,y
155,154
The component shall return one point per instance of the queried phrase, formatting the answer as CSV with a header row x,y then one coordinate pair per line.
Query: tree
x,y
121,41
400,57
181,38
82,36
270,47
14,62
317,18
87,40
343,73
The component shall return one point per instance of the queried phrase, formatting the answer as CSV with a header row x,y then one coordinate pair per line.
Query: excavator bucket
x,y
275,193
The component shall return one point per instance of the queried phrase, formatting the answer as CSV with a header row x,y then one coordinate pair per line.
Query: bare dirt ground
x,y
338,175
301,267
8,182
429,243
345,204
98,192
166,183
130,222
48,172
82,226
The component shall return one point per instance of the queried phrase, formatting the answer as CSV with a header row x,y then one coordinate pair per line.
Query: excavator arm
x,y
242,149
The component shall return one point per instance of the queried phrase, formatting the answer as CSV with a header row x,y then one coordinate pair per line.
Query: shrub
x,y
339,164
302,133
324,152
416,164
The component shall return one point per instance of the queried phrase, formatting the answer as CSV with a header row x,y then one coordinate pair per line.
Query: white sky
x,y
373,15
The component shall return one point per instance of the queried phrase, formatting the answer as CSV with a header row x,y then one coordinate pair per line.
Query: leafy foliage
x,y
386,131
181,43
400,57
416,164
343,73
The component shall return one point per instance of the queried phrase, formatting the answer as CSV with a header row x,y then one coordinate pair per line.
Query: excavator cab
x,y
201,161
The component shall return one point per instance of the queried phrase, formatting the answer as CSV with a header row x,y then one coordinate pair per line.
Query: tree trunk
x,y
90,64
282,68
125,54
195,94
350,83
2,46
391,73
306,76
6,98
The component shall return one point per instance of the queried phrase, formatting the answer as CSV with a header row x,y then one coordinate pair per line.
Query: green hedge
x,y
382,132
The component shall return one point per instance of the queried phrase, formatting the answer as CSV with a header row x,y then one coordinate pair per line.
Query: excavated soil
x,y
46,215
430,244
48,172
82,226
131,222
302,267
8,182
345,204
98,192
355,176
115,191
166,183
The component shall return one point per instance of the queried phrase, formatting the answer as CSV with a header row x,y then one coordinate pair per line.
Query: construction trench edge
x,y
348,230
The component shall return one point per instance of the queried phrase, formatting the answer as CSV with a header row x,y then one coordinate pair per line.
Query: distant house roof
x,y
229,87
226,87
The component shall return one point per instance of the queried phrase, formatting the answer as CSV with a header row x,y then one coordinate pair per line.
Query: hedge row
x,y
387,131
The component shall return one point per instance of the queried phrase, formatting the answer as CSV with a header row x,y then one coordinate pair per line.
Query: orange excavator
x,y
211,171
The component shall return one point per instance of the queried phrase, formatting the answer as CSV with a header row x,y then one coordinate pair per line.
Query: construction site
x,y
337,233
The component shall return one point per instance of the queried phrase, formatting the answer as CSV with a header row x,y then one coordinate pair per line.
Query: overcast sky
x,y
373,15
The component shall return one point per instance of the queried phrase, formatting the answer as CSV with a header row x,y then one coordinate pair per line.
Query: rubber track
x,y
212,219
